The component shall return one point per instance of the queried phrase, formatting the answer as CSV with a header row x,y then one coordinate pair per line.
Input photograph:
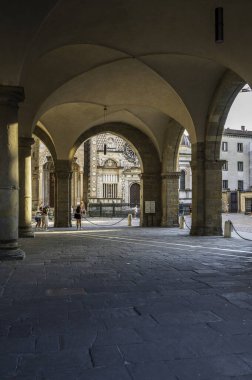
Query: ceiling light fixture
x,y
104,117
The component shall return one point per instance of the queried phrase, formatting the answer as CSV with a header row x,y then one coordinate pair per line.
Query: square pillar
x,y
170,199
63,176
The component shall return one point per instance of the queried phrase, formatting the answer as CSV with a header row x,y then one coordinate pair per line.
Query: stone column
x,y
206,194
150,191
213,196
25,192
40,186
86,171
170,199
63,175
10,96
198,190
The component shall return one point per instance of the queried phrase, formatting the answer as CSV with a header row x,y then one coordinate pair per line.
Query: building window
x,y
225,166
225,184
239,147
240,166
240,185
110,190
224,146
182,180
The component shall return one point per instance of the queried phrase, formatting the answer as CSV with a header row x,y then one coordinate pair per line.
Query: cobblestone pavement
x,y
127,304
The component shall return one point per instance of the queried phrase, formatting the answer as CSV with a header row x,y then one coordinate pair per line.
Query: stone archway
x,y
47,141
149,161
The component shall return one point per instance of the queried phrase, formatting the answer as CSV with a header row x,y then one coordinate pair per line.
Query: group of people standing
x,y
42,218
79,212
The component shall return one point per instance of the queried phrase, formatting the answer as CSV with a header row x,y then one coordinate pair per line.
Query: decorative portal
x,y
135,194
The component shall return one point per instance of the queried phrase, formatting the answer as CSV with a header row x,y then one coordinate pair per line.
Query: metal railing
x,y
112,209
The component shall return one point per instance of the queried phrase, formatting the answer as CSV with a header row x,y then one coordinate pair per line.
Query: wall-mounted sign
x,y
150,207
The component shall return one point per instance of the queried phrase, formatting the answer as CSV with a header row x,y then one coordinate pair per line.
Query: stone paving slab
x,y
127,304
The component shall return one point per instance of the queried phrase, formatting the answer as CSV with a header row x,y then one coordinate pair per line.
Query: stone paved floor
x,y
127,304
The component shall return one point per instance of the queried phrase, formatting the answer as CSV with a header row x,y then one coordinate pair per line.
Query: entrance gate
x,y
234,203
135,194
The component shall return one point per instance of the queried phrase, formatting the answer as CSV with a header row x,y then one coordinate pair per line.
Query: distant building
x,y
236,150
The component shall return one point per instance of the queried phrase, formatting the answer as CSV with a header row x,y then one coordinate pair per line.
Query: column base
x,y
168,224
206,231
62,225
25,232
11,254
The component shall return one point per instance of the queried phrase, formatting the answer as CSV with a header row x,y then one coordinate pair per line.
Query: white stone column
x,y
63,175
10,96
170,199
25,192
46,184
40,186
81,185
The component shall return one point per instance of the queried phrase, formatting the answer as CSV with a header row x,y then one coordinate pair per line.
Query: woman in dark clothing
x,y
77,216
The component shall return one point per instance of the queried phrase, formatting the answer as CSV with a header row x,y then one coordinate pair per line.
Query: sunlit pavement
x,y
127,303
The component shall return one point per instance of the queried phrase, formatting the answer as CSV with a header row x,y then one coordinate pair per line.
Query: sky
x,y
240,112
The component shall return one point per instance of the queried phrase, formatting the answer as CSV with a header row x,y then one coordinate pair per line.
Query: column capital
x,y
195,164
63,175
207,164
25,142
214,164
170,175
63,169
11,95
63,166
149,175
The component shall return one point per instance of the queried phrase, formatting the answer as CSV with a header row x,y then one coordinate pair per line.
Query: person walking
x,y
45,218
77,216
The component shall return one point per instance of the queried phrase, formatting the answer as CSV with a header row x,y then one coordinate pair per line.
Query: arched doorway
x,y
135,194
150,179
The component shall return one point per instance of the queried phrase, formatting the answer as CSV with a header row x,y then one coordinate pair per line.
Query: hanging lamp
x,y
104,115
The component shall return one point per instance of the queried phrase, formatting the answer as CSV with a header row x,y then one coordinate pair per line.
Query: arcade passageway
x,y
127,304
145,72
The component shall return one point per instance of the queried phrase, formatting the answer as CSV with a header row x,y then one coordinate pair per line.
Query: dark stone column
x,y
206,194
213,196
150,191
63,176
25,192
10,96
170,199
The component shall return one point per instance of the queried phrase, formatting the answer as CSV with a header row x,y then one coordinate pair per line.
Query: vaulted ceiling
x,y
148,62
